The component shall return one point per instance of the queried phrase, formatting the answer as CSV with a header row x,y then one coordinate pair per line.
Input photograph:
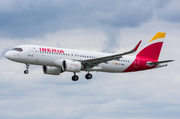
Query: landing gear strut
x,y
27,67
75,77
88,75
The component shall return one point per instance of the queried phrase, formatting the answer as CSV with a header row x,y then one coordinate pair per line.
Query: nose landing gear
x,y
27,67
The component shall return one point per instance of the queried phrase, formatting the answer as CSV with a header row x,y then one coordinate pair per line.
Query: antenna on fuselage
x,y
57,45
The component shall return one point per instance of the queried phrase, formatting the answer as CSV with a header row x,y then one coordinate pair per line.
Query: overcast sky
x,y
112,26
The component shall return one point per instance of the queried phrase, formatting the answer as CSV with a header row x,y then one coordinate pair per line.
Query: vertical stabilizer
x,y
153,48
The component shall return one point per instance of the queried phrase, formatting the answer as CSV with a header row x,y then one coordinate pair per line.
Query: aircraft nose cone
x,y
7,55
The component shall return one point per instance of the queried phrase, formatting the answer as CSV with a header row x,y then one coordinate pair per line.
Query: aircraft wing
x,y
94,62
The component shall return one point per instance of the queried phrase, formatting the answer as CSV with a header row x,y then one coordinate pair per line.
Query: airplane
x,y
55,61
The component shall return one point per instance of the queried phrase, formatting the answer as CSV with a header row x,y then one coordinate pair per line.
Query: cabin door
x,y
30,51
136,63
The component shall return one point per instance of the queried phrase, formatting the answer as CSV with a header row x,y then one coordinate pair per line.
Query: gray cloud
x,y
113,40
32,18
28,19
170,12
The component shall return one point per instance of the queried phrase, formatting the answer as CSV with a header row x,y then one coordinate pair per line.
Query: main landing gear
x,y
27,67
76,78
88,76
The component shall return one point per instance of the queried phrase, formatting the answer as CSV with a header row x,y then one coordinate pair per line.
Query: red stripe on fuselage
x,y
140,64
148,54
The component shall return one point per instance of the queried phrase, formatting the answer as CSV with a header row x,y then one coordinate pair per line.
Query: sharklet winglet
x,y
137,46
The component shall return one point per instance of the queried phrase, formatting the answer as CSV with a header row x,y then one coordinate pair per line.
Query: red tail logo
x,y
153,48
150,53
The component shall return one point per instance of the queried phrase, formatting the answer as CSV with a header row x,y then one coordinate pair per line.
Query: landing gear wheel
x,y
27,67
26,71
75,78
88,76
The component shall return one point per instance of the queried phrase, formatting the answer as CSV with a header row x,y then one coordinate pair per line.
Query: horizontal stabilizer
x,y
154,63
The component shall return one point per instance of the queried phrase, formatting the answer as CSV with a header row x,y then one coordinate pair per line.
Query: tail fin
x,y
153,48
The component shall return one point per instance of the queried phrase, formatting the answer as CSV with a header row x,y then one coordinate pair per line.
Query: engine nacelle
x,y
51,70
72,66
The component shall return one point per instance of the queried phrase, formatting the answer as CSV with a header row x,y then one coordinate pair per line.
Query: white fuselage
x,y
48,56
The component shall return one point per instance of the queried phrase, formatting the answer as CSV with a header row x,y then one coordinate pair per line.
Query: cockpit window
x,y
18,49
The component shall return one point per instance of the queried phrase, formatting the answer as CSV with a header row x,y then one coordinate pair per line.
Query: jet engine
x,y
71,66
51,70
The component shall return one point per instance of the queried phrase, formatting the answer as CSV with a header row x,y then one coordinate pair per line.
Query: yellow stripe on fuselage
x,y
158,35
